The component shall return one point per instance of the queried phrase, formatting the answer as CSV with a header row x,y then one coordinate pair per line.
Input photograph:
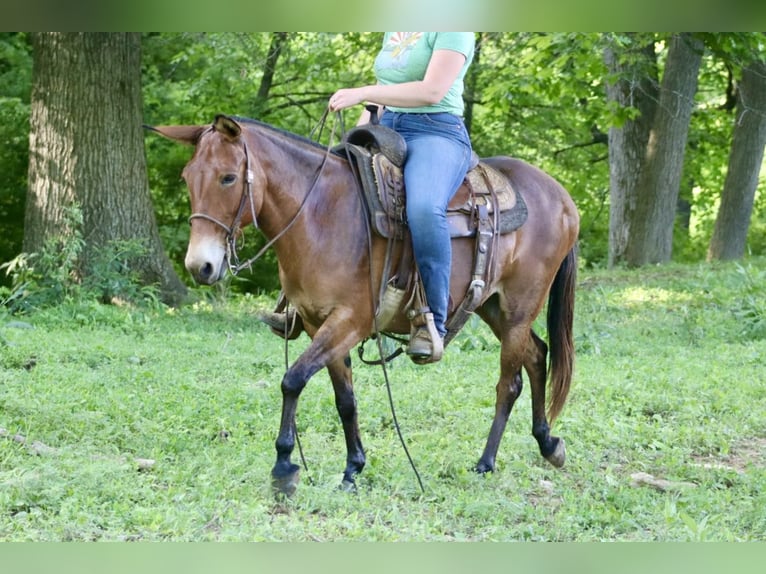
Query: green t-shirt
x,y
404,57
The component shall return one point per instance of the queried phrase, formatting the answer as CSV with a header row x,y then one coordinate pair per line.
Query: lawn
x,y
130,423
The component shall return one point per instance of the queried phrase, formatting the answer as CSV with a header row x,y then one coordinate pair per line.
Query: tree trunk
x,y
87,148
745,160
651,229
278,40
635,87
469,93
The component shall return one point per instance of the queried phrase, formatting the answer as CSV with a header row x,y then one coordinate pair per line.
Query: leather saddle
x,y
377,154
484,206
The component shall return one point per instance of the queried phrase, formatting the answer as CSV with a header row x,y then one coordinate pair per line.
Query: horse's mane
x,y
280,131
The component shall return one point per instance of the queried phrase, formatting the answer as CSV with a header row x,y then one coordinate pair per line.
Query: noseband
x,y
234,230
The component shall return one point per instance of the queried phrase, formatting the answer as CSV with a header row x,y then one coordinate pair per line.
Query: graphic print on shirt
x,y
398,48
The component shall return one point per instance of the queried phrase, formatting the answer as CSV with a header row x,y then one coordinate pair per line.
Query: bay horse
x,y
306,201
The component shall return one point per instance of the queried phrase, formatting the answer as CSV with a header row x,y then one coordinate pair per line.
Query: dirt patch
x,y
743,455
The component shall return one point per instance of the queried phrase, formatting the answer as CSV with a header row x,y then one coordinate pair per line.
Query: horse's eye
x,y
228,179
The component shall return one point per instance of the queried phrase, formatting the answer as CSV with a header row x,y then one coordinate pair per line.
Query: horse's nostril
x,y
206,271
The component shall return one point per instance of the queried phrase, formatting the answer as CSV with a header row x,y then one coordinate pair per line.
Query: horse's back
x,y
552,212
529,257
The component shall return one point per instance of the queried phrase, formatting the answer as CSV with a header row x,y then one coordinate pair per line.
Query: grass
x,y
669,382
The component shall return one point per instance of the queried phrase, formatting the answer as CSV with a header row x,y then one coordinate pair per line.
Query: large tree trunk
x,y
745,160
87,148
635,87
651,230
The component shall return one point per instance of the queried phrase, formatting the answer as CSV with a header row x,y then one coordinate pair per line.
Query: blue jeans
x,y
438,156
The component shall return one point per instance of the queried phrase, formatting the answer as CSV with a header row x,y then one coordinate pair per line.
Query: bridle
x,y
234,230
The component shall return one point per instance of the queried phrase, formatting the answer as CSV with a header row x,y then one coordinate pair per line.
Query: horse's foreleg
x,y
507,393
508,390
329,344
551,447
285,475
345,402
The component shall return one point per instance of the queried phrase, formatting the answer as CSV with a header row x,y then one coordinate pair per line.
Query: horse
x,y
305,201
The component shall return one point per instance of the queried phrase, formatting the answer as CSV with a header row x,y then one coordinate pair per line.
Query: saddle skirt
x,y
484,194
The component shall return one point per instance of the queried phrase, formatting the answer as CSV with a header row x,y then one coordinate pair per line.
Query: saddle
x,y
485,205
378,155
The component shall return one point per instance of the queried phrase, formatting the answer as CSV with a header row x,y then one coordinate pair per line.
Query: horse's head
x,y
220,183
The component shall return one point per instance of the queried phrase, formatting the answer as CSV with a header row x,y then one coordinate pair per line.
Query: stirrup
x,y
426,345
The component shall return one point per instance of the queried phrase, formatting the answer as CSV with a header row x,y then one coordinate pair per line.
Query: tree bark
x,y
651,230
745,160
635,86
470,91
278,40
87,148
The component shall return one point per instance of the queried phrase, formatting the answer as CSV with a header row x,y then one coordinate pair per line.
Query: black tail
x,y
561,301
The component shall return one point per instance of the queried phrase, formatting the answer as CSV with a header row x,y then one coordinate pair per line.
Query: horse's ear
x,y
184,134
227,127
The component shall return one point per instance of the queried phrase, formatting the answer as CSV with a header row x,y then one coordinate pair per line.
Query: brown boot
x,y
426,345
283,320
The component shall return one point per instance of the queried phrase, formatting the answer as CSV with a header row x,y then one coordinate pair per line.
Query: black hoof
x,y
483,468
348,486
559,454
287,484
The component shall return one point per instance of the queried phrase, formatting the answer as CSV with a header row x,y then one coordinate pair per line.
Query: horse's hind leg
x,y
345,402
551,447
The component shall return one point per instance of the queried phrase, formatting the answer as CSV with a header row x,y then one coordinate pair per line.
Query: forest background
x,y
567,102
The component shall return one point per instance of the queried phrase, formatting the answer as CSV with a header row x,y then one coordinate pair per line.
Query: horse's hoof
x,y
286,485
559,454
348,486
483,468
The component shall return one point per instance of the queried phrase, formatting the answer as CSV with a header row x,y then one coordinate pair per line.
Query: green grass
x,y
669,381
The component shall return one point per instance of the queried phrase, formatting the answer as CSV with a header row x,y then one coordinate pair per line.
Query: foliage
x,y
15,85
542,99
53,275
538,96
665,384
751,307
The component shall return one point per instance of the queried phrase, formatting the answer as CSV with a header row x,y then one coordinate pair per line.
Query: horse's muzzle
x,y
206,261
207,274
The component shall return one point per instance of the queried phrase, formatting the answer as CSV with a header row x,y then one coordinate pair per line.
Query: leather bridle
x,y
235,230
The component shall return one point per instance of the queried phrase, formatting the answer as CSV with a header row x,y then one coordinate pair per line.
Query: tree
x,y
86,148
745,160
649,209
15,82
633,93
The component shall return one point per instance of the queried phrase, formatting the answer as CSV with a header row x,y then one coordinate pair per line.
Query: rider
x,y
419,91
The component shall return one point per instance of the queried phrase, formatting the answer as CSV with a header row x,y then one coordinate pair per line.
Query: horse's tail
x,y
561,301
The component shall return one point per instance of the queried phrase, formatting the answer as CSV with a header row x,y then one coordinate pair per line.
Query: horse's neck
x,y
302,183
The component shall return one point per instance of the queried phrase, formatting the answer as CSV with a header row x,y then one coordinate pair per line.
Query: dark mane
x,y
280,131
